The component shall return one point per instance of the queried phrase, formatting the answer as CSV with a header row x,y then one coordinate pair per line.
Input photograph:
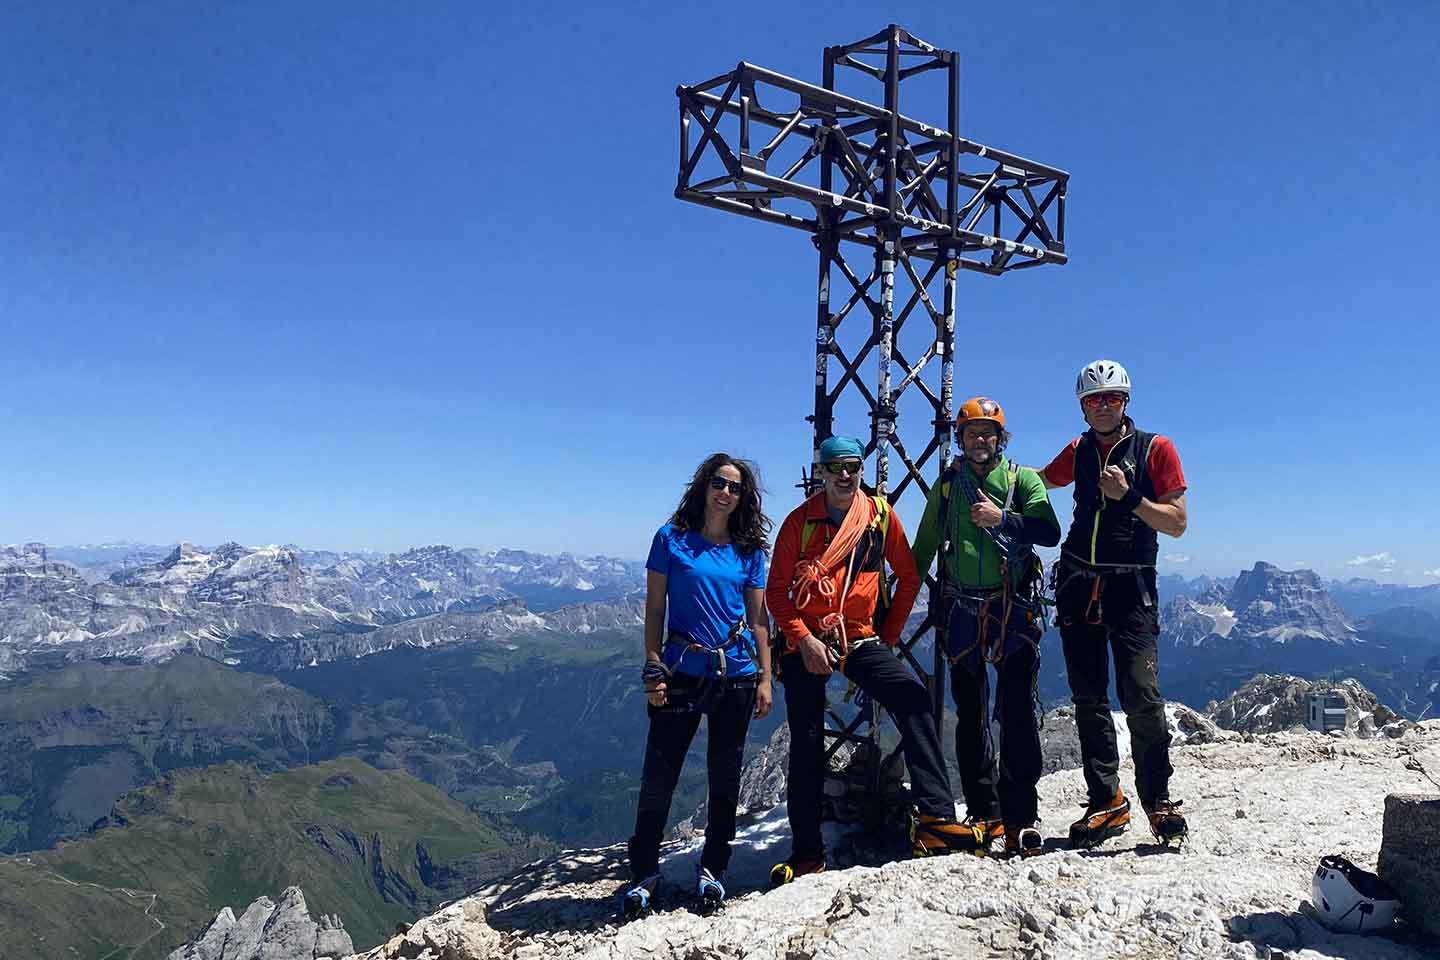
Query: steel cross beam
x,y
924,202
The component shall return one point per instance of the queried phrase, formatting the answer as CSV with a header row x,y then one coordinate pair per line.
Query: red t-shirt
x,y
1163,466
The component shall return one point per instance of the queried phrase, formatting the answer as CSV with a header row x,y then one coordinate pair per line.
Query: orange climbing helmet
x,y
977,409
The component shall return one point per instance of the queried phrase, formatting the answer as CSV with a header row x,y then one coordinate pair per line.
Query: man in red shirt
x,y
1128,486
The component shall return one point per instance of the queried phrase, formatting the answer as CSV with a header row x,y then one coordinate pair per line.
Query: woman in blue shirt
x,y
707,572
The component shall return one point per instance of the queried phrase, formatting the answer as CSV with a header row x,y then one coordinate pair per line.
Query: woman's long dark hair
x,y
749,527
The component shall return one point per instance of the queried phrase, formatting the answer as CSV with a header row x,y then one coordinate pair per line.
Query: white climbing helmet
x,y
1101,376
1349,899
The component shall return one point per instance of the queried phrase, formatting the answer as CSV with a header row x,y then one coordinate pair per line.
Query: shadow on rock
x,y
567,892
1276,935
1139,850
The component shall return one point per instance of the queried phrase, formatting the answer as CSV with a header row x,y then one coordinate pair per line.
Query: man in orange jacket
x,y
823,589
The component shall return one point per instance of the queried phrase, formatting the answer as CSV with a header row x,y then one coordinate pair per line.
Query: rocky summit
x,y
267,930
1262,810
1269,704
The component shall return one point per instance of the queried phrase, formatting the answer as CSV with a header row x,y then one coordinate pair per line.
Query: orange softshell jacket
x,y
796,622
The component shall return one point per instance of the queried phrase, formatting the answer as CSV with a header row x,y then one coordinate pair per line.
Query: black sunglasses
x,y
844,468
720,483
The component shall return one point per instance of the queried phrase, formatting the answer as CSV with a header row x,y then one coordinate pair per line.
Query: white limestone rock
x,y
1238,890
270,931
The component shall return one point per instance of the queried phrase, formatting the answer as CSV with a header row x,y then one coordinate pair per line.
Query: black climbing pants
x,y
877,671
1129,628
1006,790
728,712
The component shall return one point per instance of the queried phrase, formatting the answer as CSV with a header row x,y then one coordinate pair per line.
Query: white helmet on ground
x,y
1101,376
1349,899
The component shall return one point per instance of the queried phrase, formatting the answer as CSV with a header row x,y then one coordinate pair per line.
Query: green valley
x,y
376,847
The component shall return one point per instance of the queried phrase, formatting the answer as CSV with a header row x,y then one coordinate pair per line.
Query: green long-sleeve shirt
x,y
974,558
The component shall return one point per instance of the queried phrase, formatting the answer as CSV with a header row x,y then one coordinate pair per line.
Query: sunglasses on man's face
x,y
720,483
984,433
1096,400
844,468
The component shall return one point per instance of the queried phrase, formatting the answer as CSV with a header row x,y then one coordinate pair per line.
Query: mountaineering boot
x,y
1166,822
1100,822
984,831
931,835
787,871
636,895
1023,840
710,888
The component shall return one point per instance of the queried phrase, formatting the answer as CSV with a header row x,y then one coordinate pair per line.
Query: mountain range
x,y
1287,621
506,679
243,605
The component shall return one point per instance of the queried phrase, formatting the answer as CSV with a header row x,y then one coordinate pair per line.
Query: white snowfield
x,y
1263,810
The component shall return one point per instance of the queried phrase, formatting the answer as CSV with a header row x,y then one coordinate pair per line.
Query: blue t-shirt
x,y
705,597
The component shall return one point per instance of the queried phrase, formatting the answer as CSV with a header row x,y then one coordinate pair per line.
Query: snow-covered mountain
x,y
230,601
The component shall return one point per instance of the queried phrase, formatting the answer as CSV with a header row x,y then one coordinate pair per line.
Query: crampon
x,y
932,836
1100,822
1167,823
636,897
710,890
1023,840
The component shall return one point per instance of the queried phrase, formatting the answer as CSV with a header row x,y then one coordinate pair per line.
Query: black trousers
x,y
1006,790
1129,628
728,712
877,671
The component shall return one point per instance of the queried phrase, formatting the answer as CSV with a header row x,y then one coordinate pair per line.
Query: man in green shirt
x,y
983,519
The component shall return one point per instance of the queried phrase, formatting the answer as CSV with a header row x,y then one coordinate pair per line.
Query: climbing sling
x,y
1021,573
814,576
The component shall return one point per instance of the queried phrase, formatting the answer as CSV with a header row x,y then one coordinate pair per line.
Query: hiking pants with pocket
x,y
1006,790
876,670
728,713
1129,628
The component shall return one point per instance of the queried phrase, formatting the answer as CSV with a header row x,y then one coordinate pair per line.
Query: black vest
x,y
1103,531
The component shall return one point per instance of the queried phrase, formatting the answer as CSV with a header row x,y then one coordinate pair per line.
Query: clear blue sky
x,y
376,275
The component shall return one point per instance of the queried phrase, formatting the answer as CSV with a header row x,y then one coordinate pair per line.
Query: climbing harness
x,y
1068,569
991,644
687,692
1017,568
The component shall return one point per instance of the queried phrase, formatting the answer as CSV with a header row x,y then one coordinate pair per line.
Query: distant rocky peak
x,y
1274,604
272,931
25,554
1215,593
1266,579
432,553
184,552
228,552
